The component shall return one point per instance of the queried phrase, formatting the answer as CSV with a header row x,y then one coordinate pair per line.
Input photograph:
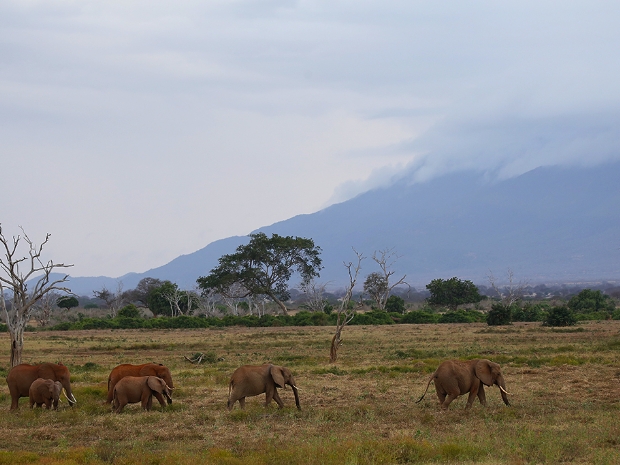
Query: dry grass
x,y
565,387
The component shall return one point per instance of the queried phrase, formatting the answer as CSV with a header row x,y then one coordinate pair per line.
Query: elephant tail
x,y
426,390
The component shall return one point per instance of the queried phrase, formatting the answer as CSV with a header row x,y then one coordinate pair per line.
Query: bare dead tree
x,y
345,314
385,259
44,308
23,299
510,293
174,298
206,301
233,295
315,294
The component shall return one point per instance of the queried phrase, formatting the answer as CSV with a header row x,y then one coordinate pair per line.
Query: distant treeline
x,y
305,318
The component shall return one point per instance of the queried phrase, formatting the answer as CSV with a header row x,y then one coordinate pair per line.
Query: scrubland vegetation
x,y
564,385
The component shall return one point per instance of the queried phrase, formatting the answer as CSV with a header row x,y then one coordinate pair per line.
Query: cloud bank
x,y
138,131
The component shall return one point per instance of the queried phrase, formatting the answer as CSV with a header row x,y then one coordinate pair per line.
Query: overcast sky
x,y
137,131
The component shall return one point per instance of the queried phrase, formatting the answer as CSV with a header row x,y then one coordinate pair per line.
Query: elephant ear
x,y
276,374
483,372
155,383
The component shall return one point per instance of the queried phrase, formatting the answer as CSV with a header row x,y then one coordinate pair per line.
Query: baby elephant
x,y
45,391
454,378
250,380
133,389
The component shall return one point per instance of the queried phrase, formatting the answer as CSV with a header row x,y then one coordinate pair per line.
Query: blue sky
x,y
138,131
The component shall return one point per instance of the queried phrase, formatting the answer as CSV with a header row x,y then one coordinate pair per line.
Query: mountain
x,y
552,224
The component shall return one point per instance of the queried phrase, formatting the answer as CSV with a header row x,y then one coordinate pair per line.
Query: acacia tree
x,y
452,292
15,281
67,301
264,267
345,313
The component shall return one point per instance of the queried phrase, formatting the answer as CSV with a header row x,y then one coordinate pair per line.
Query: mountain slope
x,y
550,224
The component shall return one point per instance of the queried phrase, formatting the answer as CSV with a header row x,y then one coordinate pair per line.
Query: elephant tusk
x,y
504,390
295,387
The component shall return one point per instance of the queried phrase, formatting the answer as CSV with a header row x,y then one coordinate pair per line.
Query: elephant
x,y
132,389
251,380
454,378
45,391
147,369
22,376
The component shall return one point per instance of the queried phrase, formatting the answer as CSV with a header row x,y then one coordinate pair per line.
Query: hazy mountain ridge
x,y
552,224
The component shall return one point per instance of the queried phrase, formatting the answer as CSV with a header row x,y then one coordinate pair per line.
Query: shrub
x,y
499,315
129,311
420,317
560,316
372,318
589,301
530,312
395,304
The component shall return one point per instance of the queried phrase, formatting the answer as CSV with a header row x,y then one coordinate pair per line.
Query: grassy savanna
x,y
565,386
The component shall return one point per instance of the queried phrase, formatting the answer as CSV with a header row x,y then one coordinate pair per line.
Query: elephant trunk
x,y
502,389
296,396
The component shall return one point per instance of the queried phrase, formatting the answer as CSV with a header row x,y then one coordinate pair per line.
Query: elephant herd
x,y
127,384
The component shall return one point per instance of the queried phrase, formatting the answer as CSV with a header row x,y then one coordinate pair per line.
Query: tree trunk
x,y
17,344
333,352
280,304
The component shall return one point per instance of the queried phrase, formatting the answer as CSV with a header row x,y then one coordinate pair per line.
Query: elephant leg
x,y
147,400
269,394
448,400
276,397
242,403
481,396
474,391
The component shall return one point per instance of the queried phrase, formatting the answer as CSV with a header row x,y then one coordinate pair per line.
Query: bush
x,y
395,304
589,301
129,311
499,315
420,317
530,312
372,318
560,316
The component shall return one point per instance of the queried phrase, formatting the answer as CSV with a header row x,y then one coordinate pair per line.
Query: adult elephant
x,y
132,389
22,376
252,380
147,369
454,378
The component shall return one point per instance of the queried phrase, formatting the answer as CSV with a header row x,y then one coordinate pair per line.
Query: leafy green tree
x,y
141,292
560,316
67,301
395,304
589,301
452,292
264,267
